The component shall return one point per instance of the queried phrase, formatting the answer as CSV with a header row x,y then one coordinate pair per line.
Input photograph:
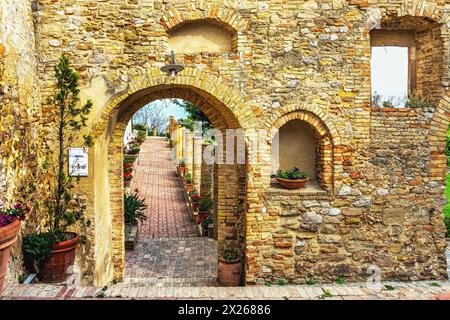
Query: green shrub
x,y
293,174
134,209
139,127
37,248
188,178
205,203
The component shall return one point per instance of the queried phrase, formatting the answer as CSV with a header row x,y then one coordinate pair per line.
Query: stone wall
x,y
19,116
308,60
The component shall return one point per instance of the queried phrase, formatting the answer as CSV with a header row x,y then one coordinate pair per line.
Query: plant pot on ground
x,y
188,183
9,229
206,226
134,213
52,250
195,198
181,169
205,204
230,269
292,179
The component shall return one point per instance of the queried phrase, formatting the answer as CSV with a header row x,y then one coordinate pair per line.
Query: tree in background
x,y
152,116
194,114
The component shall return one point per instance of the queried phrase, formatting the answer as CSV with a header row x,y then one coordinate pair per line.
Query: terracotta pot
x,y
292,184
189,187
181,171
202,215
194,206
54,269
8,235
230,273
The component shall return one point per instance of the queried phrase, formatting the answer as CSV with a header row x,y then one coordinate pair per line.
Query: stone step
x,y
169,282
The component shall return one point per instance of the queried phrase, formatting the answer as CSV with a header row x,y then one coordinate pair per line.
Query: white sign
x,y
78,162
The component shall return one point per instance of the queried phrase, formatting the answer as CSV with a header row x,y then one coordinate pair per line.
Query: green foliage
x,y
418,102
434,284
188,178
326,294
63,209
194,114
139,127
293,174
37,248
281,282
134,209
311,281
230,255
389,287
205,203
340,280
207,222
22,278
447,206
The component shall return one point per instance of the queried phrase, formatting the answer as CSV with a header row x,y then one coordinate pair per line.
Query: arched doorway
x,y
230,179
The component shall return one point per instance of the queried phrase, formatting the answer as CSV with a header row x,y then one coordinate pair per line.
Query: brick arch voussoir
x,y
310,114
424,9
228,16
232,103
437,137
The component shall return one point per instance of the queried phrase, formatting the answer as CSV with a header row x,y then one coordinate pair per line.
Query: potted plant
x,y
51,251
230,269
9,229
194,198
181,168
134,213
206,226
292,179
204,206
189,185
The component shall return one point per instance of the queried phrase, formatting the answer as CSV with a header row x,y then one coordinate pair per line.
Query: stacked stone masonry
x,y
382,171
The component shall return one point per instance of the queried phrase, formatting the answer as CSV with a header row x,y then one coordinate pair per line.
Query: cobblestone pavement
x,y
172,262
155,177
398,291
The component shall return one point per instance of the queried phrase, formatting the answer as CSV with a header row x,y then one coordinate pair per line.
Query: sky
x,y
389,70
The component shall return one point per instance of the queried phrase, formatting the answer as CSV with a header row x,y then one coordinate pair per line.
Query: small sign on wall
x,y
78,162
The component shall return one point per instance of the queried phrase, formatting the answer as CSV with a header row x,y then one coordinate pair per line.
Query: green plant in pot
x,y
134,209
230,268
205,204
52,250
189,185
292,179
194,197
181,168
205,225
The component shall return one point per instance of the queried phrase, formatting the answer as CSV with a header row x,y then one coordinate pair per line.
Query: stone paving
x,y
169,253
172,262
394,291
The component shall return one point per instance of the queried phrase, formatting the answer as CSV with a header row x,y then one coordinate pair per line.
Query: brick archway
x,y
226,110
330,148
437,136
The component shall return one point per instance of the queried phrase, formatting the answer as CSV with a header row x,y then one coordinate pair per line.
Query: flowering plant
x,y
18,212
195,198
127,176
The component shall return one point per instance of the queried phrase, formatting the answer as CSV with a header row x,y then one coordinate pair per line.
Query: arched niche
x,y
202,36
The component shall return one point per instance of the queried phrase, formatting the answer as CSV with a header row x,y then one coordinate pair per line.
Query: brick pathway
x,y
168,253
156,179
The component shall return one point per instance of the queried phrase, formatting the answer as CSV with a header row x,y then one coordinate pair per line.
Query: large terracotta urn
x,y
8,235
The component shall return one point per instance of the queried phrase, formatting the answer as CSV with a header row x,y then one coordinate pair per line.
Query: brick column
x,y
183,143
197,163
189,151
207,176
